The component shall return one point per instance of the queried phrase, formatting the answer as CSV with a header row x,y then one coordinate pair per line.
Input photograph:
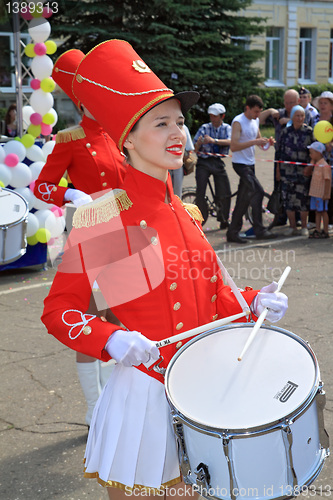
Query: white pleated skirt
x,y
131,443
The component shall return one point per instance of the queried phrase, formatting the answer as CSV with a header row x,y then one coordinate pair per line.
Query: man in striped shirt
x,y
211,141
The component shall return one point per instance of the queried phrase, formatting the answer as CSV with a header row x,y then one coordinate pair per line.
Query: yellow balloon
x,y
34,130
63,182
28,140
51,47
48,118
2,184
323,131
32,240
29,50
47,84
43,235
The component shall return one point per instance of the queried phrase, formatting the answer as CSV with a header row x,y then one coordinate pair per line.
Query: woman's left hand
x,y
276,303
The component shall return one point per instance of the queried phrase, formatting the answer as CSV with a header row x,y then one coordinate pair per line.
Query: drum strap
x,y
230,282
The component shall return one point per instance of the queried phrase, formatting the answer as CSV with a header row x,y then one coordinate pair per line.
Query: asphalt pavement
x,y
42,409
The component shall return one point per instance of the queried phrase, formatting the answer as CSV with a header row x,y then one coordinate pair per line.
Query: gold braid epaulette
x,y
70,134
193,210
102,210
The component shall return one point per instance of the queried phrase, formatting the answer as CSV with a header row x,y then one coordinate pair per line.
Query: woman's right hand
x,y
131,348
77,197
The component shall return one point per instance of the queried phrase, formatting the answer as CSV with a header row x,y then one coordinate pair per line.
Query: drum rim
x,y
247,431
24,217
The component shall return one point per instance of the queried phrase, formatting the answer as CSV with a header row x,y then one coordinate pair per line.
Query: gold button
x,y
103,318
54,188
179,326
79,78
104,184
56,70
143,224
176,306
102,174
213,279
214,298
179,344
173,286
87,330
154,240
215,317
88,145
93,153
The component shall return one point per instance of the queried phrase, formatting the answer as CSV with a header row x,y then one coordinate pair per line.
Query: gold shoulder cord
x,y
193,210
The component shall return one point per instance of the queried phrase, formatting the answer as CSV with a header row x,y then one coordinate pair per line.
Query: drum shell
x,y
13,240
269,461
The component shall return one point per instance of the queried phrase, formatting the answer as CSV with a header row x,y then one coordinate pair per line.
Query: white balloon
x,y
36,169
21,176
41,101
2,153
33,224
41,67
58,227
27,195
35,153
48,148
39,204
5,174
26,113
45,216
39,29
15,147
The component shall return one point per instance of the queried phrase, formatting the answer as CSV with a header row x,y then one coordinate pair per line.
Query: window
x,y
273,62
306,47
7,63
330,75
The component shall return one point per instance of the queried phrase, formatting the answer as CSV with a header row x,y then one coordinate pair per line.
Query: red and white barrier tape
x,y
257,159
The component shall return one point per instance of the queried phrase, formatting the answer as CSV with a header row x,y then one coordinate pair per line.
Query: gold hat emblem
x,y
141,67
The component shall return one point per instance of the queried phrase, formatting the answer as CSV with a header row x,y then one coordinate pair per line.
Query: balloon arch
x,y
22,158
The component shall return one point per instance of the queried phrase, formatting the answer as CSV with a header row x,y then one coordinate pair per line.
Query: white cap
x,y
217,109
324,95
317,146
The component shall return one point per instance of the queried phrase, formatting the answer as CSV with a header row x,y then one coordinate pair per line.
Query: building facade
x,y
298,41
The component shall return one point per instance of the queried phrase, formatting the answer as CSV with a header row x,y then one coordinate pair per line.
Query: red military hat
x,y
64,70
117,88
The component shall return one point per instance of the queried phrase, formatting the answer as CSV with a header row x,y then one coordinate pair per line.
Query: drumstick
x,y
199,329
191,333
262,316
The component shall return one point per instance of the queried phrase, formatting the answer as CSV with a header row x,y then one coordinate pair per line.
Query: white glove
x,y
131,348
77,197
276,303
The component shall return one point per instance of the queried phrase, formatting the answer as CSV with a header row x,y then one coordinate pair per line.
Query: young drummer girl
x,y
139,251
320,189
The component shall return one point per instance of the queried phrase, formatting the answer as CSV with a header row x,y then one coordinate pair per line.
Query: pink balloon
x,y
11,160
36,118
26,15
40,49
35,84
46,129
58,211
47,12
32,186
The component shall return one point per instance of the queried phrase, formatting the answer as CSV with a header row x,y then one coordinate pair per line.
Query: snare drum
x,y
13,225
252,429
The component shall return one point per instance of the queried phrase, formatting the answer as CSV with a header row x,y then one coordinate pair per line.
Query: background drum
x,y
13,225
250,429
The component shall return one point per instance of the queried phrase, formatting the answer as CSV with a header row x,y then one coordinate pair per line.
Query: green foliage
x,y
189,44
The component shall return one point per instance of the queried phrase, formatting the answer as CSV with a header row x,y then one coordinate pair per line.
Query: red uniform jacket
x,y
91,158
153,265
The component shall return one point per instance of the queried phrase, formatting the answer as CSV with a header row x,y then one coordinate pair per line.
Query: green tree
x,y
190,44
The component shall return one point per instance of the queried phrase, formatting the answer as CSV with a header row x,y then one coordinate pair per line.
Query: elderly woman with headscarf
x,y
295,139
